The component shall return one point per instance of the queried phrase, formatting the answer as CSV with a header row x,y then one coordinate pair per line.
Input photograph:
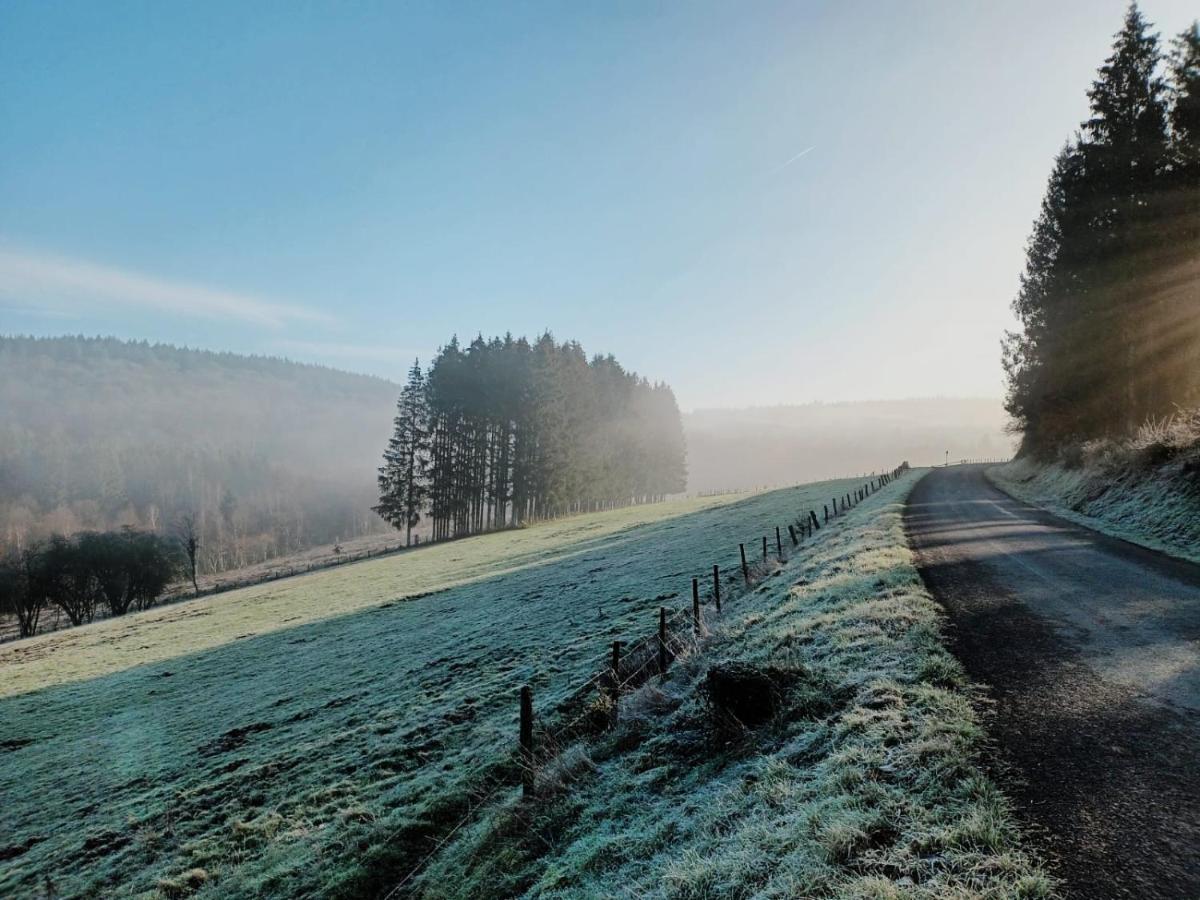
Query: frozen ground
x,y
271,741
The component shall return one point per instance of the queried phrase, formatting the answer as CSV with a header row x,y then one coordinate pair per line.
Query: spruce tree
x,y
1125,158
1181,363
402,477
1185,106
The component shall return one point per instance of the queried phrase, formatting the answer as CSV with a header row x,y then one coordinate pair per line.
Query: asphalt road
x,y
1090,649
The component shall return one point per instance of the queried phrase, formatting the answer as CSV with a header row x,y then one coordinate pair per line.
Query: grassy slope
x,y
266,741
1155,506
877,795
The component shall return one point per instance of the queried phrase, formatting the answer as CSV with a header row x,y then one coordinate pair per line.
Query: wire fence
x,y
595,705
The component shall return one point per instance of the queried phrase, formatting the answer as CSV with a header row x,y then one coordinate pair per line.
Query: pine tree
x,y
1181,363
1103,307
1038,359
1125,156
1185,106
402,477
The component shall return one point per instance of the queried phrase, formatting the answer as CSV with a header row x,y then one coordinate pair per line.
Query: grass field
x,y
868,785
272,741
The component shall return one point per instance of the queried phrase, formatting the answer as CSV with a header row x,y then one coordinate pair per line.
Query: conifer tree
x,y
1108,304
402,477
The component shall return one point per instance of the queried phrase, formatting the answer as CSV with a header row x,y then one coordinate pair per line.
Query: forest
x,y
1109,303
267,456
505,432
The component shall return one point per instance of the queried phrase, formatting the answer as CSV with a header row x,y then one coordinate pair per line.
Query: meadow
x,y
273,741
870,781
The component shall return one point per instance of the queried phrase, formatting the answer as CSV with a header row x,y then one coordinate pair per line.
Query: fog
x,y
739,449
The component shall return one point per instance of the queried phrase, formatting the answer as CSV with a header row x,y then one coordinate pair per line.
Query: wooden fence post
x,y
662,640
526,742
717,586
778,544
826,512
616,676
815,525
745,568
696,606
792,535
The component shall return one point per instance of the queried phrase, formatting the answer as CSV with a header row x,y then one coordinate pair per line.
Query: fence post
x,y
764,547
526,742
826,512
717,586
815,525
792,535
616,676
778,544
662,640
696,606
745,568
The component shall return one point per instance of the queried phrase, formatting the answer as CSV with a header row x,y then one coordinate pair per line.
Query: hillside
x,y
777,445
266,727
320,735
272,456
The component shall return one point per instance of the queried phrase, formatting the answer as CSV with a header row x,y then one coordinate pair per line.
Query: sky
x,y
758,202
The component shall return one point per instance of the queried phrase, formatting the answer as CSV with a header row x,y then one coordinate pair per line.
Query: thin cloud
x,y
50,283
802,153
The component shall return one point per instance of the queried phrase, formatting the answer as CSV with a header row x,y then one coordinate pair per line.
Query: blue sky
x,y
351,184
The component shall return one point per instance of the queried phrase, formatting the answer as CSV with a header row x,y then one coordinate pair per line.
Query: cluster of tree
x,y
1110,299
270,457
80,575
507,431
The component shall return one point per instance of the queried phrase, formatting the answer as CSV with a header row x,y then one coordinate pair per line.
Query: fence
x,y
596,704
988,460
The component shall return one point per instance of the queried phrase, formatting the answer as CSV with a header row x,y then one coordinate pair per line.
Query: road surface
x,y
1090,648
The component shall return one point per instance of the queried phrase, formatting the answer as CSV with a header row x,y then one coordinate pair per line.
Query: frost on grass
x,y
877,794
1145,489
318,736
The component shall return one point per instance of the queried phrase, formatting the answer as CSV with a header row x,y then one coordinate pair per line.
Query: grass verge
x,y
864,784
1148,495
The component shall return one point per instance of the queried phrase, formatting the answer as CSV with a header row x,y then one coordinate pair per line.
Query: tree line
x,y
83,574
1109,303
505,431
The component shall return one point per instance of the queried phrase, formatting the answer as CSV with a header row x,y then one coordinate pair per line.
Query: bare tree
x,y
19,595
188,534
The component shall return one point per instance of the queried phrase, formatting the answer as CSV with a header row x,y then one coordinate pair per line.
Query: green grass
x,y
306,737
875,792
1155,505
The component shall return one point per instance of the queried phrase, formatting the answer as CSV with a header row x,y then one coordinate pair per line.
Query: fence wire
x,y
610,682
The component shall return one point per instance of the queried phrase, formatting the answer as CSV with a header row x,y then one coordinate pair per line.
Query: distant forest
x,y
1109,303
505,432
269,456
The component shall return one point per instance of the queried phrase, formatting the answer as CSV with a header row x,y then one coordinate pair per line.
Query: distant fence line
x,y
595,705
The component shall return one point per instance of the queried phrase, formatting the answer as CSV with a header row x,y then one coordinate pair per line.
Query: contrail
x,y
804,152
